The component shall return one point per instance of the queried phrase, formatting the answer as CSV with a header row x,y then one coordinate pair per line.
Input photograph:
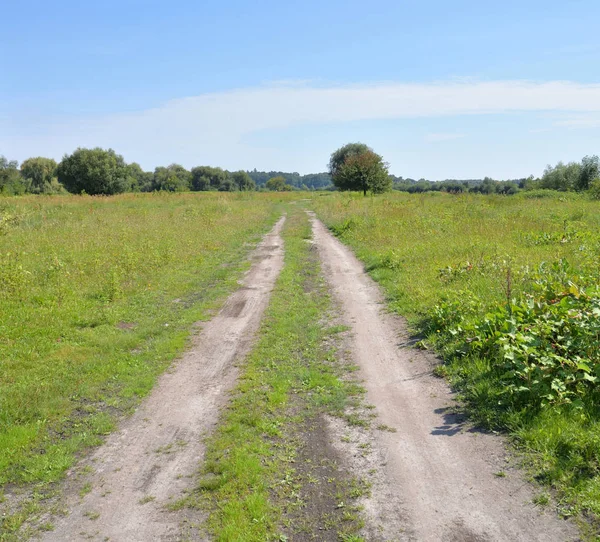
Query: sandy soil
x,y
438,479
149,461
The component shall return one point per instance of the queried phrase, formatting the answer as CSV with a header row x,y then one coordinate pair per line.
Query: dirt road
x,y
439,474
149,460
438,477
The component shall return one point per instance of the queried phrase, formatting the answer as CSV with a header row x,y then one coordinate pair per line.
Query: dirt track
x,y
436,475
438,481
148,461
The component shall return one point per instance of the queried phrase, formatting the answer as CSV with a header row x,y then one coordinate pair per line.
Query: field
x,y
99,295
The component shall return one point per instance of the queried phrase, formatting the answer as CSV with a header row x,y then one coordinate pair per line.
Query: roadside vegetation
x,y
507,290
269,472
97,296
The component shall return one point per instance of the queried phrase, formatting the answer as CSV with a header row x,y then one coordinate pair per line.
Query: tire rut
x,y
148,462
440,470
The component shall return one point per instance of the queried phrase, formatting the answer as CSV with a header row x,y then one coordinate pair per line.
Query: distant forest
x,y
99,171
486,185
583,176
312,181
322,181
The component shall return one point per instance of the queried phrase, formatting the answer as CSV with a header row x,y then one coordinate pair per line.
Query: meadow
x,y
97,296
505,289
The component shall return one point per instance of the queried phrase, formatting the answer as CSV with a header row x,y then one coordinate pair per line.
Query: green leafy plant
x,y
543,345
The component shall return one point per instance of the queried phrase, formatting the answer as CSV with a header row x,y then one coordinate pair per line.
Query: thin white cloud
x,y
590,120
213,128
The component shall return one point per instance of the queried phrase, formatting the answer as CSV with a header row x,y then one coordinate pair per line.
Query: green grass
x,y
97,296
428,247
455,264
251,480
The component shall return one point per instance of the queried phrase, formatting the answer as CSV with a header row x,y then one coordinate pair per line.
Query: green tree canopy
x,y
562,177
173,178
487,186
94,171
243,181
208,178
338,158
11,182
39,172
588,172
312,180
139,180
228,185
277,184
356,167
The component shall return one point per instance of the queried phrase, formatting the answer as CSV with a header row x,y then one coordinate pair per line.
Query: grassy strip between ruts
x,y
262,472
97,296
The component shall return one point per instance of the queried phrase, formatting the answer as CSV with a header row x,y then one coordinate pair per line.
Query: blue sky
x,y
441,89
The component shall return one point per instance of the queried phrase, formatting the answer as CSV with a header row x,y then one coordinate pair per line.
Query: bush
x,y
594,191
543,347
50,188
544,193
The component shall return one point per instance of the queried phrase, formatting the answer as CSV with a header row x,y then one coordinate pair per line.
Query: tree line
x,y
354,166
487,185
581,176
98,171
311,181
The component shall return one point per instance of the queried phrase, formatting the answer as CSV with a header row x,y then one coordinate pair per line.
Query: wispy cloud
x,y
212,128
590,120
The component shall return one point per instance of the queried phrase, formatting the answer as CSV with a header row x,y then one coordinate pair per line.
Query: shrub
x,y
594,191
543,347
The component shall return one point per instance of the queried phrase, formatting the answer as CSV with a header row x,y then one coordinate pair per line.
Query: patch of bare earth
x,y
434,476
323,507
122,491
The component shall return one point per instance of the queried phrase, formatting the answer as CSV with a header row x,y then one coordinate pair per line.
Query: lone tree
x,y
356,167
94,171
